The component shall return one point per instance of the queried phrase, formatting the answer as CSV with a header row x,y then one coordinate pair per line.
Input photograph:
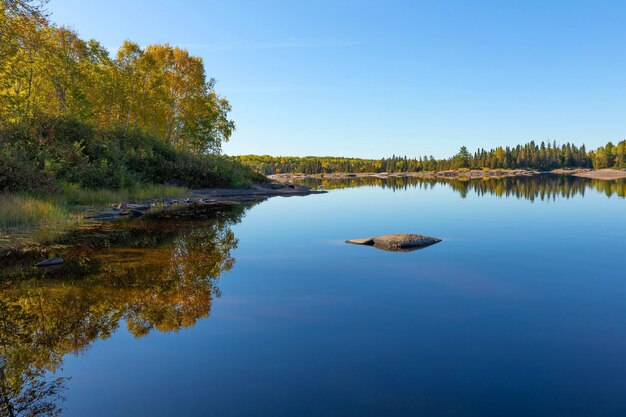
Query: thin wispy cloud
x,y
282,44
259,45
288,89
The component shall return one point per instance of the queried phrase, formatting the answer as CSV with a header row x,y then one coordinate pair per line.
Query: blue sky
x,y
374,78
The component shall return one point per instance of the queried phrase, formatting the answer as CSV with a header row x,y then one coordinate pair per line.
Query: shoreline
x,y
602,174
259,191
17,239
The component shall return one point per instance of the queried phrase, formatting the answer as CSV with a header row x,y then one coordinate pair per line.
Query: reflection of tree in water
x,y
26,389
543,187
153,275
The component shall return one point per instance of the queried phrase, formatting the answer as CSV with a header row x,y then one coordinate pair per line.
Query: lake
x,y
264,310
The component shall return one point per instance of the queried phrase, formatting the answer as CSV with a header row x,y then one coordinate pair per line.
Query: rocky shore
x,y
607,174
474,173
602,174
208,196
196,201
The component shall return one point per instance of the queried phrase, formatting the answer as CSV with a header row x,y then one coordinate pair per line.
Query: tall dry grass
x,y
18,211
76,196
25,211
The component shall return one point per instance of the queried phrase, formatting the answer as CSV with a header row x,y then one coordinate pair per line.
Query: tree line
x,y
545,187
71,112
160,89
532,155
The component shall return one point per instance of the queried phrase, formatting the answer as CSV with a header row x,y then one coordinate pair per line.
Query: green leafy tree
x,y
463,158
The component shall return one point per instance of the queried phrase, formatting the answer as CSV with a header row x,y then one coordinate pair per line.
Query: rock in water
x,y
50,263
136,213
369,241
401,242
104,216
405,241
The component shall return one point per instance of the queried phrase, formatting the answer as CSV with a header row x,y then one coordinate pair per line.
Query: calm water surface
x,y
265,311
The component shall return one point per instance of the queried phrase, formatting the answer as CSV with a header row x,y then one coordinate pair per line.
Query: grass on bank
x,y
19,211
73,195
23,211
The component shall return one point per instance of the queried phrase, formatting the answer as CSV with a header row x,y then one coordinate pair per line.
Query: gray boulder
x,y
400,242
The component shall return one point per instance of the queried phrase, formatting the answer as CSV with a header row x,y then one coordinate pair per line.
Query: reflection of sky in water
x,y
519,311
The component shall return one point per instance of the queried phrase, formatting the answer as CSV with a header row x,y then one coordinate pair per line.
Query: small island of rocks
x,y
400,242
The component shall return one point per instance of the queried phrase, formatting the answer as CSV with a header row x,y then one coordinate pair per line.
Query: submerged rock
x,y
365,241
104,216
136,213
50,263
400,242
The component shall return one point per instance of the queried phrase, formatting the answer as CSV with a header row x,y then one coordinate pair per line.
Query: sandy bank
x,y
602,174
474,173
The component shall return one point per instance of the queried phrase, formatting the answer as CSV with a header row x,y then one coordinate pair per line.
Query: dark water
x,y
265,311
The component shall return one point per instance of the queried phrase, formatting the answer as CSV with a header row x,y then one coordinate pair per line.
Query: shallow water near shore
x,y
263,310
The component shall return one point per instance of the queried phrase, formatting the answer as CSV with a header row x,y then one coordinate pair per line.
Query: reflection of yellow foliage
x,y
163,280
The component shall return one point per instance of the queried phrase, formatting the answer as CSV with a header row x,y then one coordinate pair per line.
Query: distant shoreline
x,y
601,174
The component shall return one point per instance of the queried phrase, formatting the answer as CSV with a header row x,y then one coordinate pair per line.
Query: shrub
x,y
50,151
19,172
